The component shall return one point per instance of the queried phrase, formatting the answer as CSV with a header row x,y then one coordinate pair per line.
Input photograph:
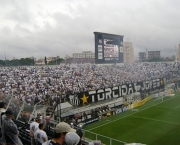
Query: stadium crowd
x,y
35,84
41,83
10,134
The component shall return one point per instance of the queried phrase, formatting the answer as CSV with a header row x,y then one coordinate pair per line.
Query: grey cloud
x,y
18,16
152,25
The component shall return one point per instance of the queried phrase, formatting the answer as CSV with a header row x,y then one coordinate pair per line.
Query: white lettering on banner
x,y
120,92
150,84
113,92
154,83
146,85
158,83
100,95
92,93
136,87
108,93
130,89
124,90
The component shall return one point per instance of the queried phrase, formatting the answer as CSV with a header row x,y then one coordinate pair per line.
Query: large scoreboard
x,y
108,48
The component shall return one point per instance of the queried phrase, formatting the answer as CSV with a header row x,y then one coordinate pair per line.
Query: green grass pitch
x,y
155,123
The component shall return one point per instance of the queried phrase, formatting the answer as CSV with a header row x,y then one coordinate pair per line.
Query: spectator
x,y
72,138
40,135
2,111
85,116
9,130
80,133
59,135
48,122
33,128
48,84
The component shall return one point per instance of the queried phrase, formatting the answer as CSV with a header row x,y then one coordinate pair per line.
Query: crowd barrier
x,y
90,136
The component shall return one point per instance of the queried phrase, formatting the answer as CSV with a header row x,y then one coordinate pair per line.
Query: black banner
x,y
88,97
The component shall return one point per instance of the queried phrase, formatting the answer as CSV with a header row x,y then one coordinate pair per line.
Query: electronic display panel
x,y
108,48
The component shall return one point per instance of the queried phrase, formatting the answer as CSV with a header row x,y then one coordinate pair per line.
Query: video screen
x,y
110,49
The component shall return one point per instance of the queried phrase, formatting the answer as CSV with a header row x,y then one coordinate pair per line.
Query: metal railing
x,y
89,136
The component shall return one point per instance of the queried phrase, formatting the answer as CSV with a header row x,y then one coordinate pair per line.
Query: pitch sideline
x,y
129,115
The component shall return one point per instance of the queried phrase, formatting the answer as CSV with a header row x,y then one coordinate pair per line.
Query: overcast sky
x,y
42,28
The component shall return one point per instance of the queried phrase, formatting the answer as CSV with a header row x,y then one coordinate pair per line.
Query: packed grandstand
x,y
79,94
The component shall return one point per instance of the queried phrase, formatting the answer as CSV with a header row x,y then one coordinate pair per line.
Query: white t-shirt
x,y
39,135
34,126
2,110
